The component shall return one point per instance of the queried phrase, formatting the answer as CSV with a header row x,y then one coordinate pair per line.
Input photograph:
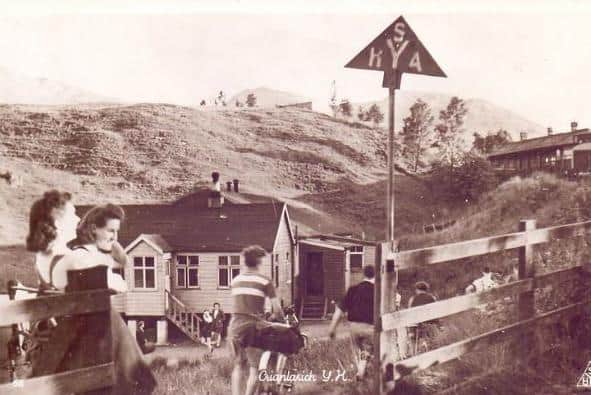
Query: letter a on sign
x,y
395,51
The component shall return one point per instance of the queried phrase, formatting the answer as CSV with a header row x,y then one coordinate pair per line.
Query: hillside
x,y
16,88
268,98
160,152
482,116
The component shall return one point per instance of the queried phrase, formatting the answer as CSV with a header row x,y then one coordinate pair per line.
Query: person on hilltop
x,y
249,291
358,305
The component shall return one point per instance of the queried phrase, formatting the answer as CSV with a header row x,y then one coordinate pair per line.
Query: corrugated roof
x,y
187,227
555,140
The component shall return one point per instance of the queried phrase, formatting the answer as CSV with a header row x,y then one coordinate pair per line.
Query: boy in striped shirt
x,y
250,289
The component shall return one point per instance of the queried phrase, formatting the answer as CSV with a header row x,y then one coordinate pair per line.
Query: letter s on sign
x,y
399,32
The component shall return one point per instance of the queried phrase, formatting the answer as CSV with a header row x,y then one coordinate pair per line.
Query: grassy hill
x,y
160,152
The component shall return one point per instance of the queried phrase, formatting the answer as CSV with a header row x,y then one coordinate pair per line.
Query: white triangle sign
x,y
585,379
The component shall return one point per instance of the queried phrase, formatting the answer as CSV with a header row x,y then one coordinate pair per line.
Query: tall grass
x,y
211,376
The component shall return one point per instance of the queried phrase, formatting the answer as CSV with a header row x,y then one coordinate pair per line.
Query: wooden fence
x,y
389,321
71,304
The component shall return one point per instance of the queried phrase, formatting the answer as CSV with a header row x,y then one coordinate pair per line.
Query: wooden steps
x,y
182,317
313,308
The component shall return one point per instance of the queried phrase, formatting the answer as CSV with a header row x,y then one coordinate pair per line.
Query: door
x,y
314,274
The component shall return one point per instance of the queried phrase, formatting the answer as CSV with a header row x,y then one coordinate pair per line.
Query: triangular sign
x,y
585,379
397,50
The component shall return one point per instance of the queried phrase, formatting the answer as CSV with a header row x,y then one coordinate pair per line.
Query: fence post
x,y
377,320
526,302
385,290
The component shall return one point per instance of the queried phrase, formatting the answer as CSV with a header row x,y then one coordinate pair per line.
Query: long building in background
x,y
561,153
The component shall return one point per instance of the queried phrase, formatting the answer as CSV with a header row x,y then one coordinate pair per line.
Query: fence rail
x,y
388,323
487,245
70,304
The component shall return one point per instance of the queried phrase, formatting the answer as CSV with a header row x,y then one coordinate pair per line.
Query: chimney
x,y
236,185
215,199
523,136
229,186
550,132
573,126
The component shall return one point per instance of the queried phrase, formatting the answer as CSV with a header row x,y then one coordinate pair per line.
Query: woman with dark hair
x,y
75,342
53,224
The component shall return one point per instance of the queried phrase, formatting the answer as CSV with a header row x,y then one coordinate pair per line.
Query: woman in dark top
x,y
75,342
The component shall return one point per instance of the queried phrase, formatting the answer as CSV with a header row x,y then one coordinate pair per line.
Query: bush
x,y
469,180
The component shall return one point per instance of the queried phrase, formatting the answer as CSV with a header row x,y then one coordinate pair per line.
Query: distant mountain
x,y
16,88
482,116
267,97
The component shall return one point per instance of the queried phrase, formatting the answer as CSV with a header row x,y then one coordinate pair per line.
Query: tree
x,y
417,132
251,100
450,133
202,103
490,142
361,114
469,180
345,108
375,115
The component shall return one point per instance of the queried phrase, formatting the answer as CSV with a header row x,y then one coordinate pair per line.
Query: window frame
x,y
357,251
144,268
229,266
187,268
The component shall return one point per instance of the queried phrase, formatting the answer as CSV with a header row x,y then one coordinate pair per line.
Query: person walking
x,y
358,305
421,332
249,291
218,324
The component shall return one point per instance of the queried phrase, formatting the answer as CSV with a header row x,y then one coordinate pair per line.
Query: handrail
x,y
174,298
177,305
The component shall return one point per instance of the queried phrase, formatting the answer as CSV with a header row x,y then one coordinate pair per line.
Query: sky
x,y
534,60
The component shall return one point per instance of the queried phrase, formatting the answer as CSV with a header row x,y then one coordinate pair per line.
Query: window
x,y
187,271
276,276
356,258
228,268
144,272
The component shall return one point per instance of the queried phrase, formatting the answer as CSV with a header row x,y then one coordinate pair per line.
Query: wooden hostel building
x,y
562,153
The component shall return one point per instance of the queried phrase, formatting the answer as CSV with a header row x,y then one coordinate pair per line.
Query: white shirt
x,y
484,283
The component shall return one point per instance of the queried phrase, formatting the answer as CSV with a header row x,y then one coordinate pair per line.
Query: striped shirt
x,y
249,291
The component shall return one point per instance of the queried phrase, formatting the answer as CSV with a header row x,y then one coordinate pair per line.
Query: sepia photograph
x,y
314,197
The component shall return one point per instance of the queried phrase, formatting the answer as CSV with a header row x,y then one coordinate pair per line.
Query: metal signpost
x,y
395,51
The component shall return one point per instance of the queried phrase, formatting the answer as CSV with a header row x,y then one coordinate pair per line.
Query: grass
x,y
211,375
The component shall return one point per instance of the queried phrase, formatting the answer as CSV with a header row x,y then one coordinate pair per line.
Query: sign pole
x,y
395,51
391,135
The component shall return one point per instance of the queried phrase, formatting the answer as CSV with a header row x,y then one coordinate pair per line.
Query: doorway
x,y
314,274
